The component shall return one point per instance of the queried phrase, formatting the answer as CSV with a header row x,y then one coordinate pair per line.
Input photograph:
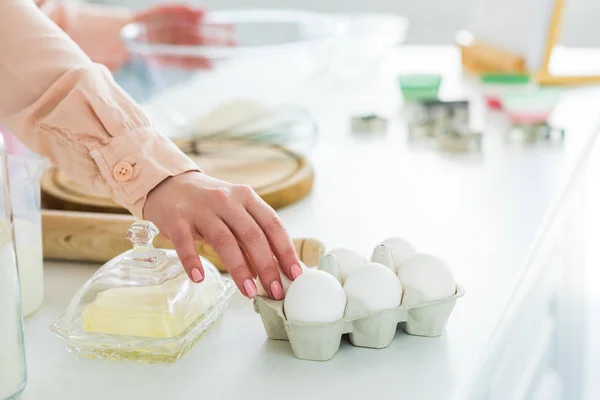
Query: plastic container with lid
x,y
496,86
535,105
142,306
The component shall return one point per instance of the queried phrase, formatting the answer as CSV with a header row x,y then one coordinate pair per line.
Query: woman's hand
x,y
167,24
244,231
181,25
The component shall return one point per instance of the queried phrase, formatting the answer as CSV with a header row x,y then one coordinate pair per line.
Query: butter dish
x,y
142,306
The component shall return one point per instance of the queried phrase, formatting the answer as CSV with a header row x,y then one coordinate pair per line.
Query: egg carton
x,y
317,341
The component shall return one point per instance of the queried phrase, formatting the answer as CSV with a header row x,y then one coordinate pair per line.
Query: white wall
x,y
426,25
581,25
431,21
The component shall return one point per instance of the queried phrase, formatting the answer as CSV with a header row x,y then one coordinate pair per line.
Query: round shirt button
x,y
123,171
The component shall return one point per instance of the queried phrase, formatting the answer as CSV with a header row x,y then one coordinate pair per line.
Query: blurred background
x,y
436,22
427,26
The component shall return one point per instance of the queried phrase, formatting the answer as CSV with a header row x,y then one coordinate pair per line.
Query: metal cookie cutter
x,y
456,112
534,132
428,117
369,123
460,139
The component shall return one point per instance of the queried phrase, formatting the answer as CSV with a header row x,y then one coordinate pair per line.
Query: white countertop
x,y
480,213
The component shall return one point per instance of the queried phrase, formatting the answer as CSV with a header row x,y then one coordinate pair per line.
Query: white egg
x,y
374,287
315,296
348,260
426,278
401,249
285,281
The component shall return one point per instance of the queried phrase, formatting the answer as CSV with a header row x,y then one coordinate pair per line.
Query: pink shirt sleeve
x,y
69,109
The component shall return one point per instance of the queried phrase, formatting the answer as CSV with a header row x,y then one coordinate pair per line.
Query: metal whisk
x,y
287,126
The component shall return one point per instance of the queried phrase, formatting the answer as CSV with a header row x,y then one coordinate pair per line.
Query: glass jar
x,y
24,175
142,306
13,369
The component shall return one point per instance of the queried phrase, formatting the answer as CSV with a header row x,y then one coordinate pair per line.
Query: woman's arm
x,y
69,109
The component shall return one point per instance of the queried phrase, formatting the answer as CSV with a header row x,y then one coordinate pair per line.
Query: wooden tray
x,y
97,237
279,176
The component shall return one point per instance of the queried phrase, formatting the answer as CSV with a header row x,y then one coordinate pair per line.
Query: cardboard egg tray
x,y
371,329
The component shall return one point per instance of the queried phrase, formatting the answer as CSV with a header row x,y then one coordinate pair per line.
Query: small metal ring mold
x,y
459,139
535,132
428,117
370,123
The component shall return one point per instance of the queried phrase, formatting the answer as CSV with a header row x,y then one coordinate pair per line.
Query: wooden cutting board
x,y
98,237
279,176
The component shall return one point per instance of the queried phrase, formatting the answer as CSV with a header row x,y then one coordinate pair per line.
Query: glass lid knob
x,y
141,234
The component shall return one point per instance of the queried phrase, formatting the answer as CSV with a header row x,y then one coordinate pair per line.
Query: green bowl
x,y
418,87
502,78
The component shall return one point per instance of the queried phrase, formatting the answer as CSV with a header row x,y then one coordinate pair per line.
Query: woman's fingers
x,y
181,24
256,246
185,246
220,237
282,245
173,11
240,228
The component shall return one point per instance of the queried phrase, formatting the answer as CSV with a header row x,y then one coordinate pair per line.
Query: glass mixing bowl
x,y
233,33
259,55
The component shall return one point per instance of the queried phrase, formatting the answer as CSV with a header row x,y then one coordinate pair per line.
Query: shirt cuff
x,y
135,162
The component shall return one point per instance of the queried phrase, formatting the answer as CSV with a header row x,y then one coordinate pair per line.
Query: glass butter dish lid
x,y
142,306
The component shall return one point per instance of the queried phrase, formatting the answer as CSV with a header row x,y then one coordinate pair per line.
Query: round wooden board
x,y
279,176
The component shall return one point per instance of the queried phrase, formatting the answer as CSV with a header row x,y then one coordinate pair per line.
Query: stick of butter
x,y
148,311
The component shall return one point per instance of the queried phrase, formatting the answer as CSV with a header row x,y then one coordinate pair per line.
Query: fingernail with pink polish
x,y
296,271
276,290
250,288
197,275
